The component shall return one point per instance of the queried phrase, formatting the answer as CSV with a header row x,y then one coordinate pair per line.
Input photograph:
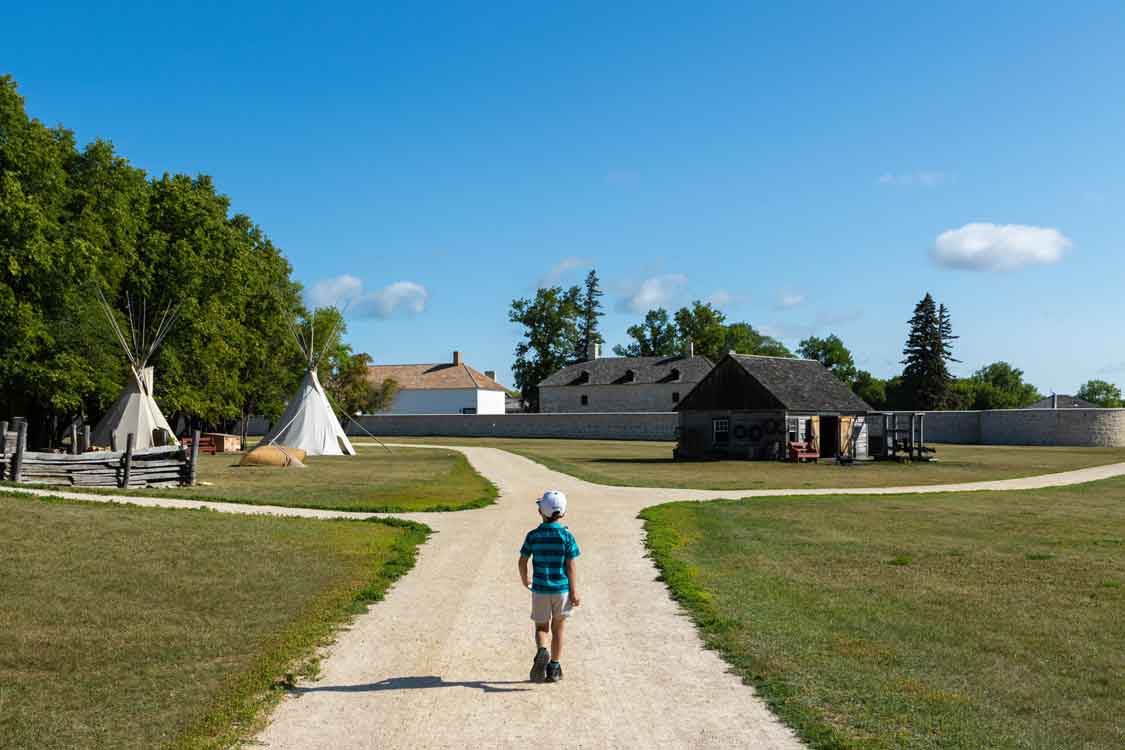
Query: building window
x,y
675,397
585,400
720,427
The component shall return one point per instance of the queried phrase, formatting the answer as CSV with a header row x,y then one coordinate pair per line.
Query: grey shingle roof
x,y
614,370
801,384
1065,402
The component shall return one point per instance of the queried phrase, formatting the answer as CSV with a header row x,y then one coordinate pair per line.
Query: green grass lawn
x,y
373,481
961,620
650,464
127,627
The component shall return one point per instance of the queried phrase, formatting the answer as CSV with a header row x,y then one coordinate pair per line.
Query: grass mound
x,y
635,463
963,620
127,627
373,481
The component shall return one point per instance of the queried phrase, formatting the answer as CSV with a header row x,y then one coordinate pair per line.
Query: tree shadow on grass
x,y
414,683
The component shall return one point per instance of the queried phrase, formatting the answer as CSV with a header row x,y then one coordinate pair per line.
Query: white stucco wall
x,y
490,402
435,401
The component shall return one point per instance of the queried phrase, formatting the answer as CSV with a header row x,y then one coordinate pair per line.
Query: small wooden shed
x,y
751,407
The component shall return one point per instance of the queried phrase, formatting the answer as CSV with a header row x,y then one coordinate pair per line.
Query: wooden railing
x,y
170,466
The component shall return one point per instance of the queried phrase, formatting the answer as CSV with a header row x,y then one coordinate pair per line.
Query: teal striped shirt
x,y
549,546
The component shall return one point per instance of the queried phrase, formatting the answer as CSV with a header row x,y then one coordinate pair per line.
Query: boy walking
x,y
554,587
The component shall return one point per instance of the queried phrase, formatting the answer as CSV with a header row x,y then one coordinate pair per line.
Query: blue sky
x,y
815,168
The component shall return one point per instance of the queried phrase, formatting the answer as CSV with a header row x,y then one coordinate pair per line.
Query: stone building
x,y
752,406
622,384
441,388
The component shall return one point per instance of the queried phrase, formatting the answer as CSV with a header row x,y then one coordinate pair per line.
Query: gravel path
x,y
442,663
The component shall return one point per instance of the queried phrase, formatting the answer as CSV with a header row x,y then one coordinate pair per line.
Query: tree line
x,y
560,325
74,219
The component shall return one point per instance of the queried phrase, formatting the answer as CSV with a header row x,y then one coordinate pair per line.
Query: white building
x,y
442,388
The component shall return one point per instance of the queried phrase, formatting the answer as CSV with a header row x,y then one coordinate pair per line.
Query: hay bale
x,y
274,455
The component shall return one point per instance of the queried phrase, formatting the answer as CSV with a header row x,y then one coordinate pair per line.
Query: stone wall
x,y
1084,427
625,426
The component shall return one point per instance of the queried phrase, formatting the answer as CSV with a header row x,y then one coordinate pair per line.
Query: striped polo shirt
x,y
549,546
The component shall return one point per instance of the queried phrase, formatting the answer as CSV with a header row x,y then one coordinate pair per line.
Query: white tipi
x,y
309,423
135,411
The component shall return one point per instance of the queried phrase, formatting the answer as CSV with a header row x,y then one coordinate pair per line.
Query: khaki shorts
x,y
547,607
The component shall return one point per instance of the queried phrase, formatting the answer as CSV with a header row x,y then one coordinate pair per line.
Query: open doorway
x,y
829,436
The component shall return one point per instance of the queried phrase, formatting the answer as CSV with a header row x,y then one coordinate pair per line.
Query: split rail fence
x,y
170,466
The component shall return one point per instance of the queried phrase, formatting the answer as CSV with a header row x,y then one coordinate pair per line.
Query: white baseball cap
x,y
551,503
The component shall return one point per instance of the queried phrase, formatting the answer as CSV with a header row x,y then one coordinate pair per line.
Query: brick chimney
x,y
593,351
690,349
456,358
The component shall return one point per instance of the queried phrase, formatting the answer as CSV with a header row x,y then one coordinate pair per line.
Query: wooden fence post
x,y
85,438
193,471
113,441
3,437
129,441
21,446
73,439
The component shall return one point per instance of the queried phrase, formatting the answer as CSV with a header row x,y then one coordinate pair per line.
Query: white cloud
x,y
655,291
787,300
919,178
346,291
998,247
334,291
561,269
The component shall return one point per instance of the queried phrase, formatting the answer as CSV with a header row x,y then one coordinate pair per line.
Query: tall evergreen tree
x,y
590,309
925,375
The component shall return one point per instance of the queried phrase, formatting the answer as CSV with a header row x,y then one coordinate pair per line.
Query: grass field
x,y
126,627
962,620
650,464
372,481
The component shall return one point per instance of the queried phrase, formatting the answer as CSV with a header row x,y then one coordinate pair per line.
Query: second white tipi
x,y
309,423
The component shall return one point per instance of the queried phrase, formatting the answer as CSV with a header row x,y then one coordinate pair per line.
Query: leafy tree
x,y
73,220
830,352
928,349
871,389
995,386
655,337
704,327
550,337
590,310
1100,392
745,339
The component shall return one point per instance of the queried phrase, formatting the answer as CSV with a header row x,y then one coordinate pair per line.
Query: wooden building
x,y
752,407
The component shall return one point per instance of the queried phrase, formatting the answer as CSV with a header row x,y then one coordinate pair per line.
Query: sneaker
x,y
539,666
554,672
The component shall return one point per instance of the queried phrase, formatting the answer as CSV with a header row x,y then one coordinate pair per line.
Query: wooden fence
x,y
170,466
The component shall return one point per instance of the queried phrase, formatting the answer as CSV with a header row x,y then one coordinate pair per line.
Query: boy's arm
x,y
523,572
572,574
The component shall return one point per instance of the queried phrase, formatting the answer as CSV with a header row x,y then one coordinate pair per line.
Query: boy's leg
x,y
557,629
539,665
542,633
